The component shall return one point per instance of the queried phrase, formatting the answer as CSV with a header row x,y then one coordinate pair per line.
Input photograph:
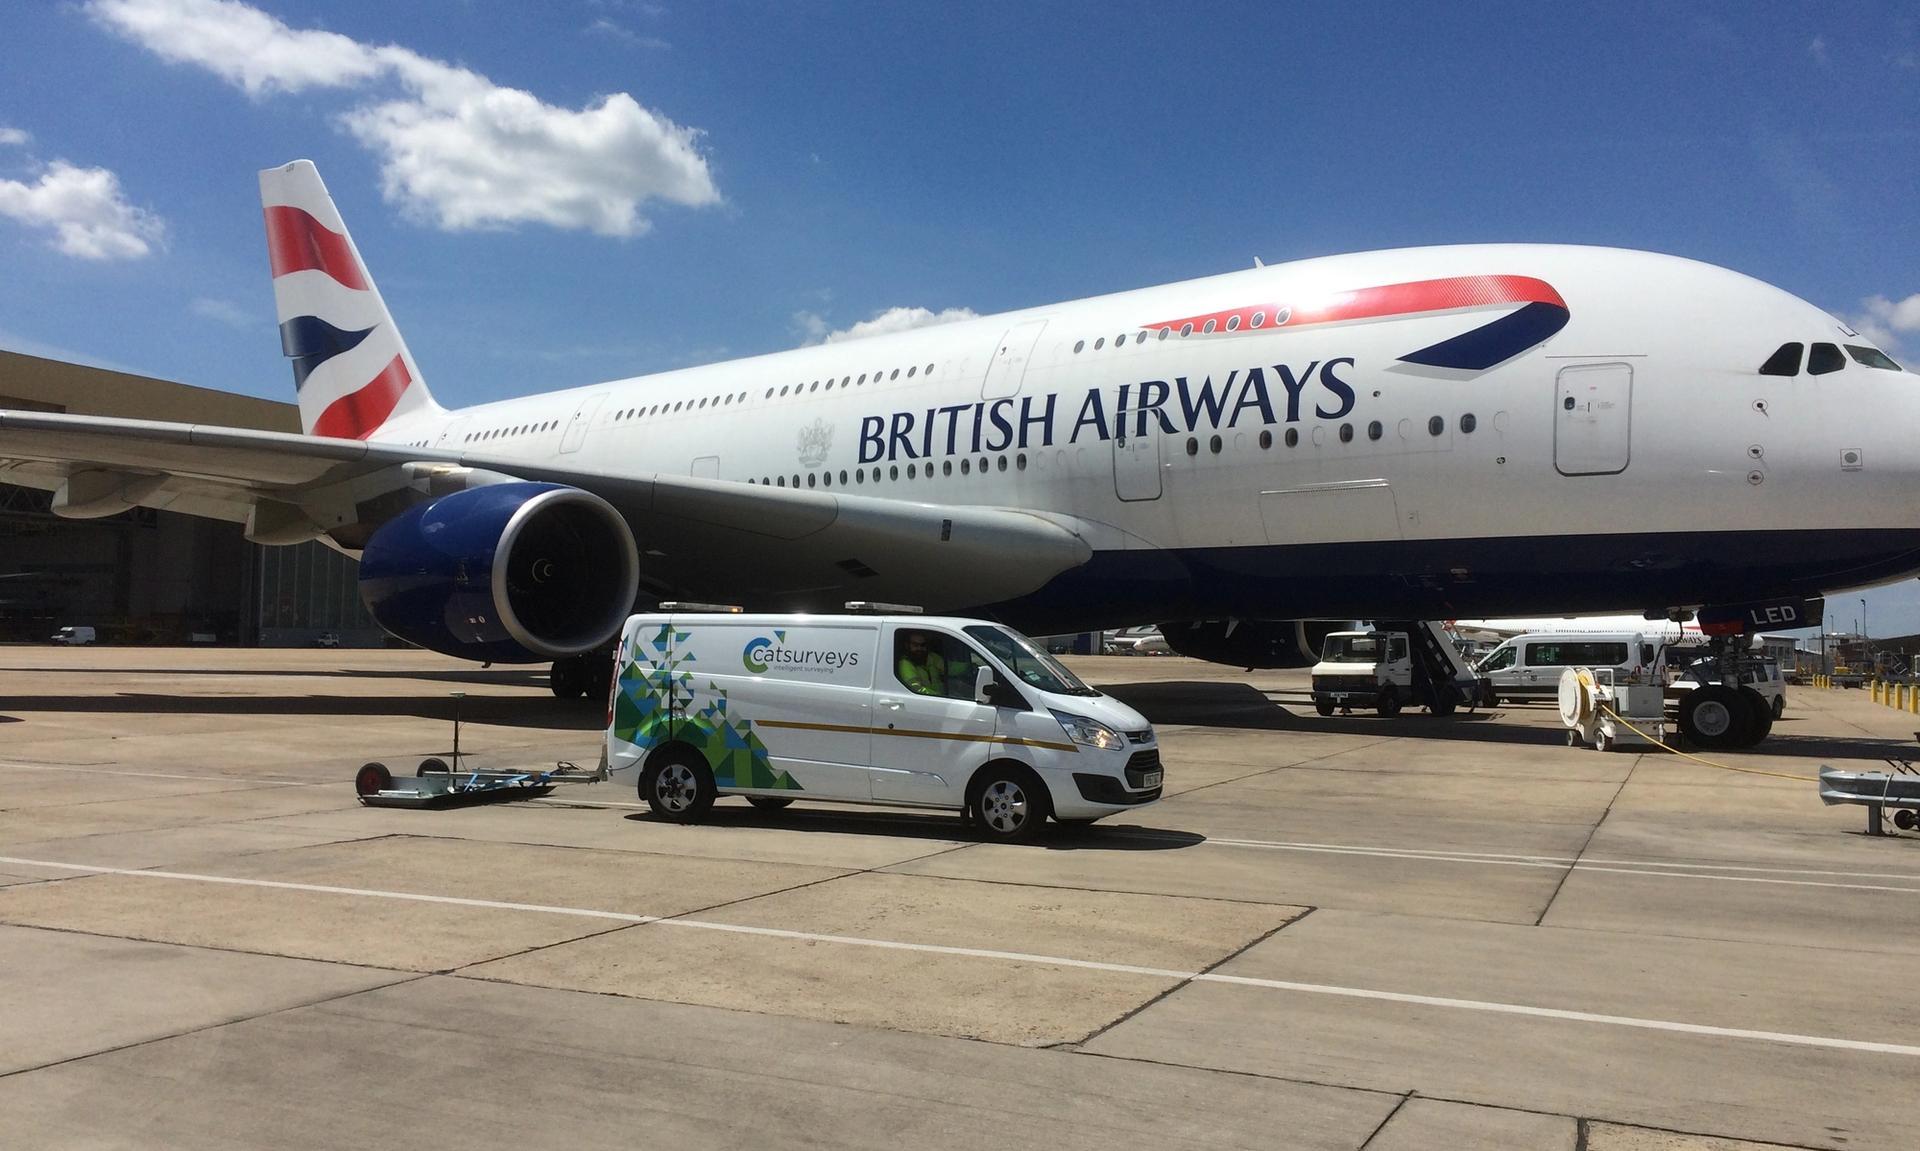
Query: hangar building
x,y
148,576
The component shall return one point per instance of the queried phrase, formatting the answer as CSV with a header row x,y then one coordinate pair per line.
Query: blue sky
x,y
686,182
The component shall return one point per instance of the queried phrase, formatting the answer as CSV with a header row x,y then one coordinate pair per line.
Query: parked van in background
x,y
903,710
73,636
1528,667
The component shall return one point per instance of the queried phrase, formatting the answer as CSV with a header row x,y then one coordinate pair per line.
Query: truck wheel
x,y
1323,706
678,787
1389,701
1760,715
1443,703
1715,716
769,802
1009,804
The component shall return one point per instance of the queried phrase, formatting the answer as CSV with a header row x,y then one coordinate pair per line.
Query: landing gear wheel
x,y
678,787
769,802
596,675
1760,715
1715,716
1389,702
568,678
1323,706
372,779
433,765
1009,804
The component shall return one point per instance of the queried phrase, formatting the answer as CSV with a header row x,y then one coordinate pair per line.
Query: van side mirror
x,y
989,688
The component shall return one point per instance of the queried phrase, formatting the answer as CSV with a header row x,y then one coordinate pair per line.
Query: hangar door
x,y
1592,419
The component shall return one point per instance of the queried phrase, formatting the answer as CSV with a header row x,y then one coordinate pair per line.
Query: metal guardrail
x,y
1898,788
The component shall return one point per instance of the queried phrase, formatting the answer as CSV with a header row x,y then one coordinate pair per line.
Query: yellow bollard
x,y
1900,696
1876,691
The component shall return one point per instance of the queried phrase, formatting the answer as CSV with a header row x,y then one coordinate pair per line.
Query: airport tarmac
x,y
1334,933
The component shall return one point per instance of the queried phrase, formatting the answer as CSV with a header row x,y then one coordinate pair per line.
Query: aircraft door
x,y
576,432
1136,462
1010,356
1592,419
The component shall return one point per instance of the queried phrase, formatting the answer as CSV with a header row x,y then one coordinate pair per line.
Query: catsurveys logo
x,y
762,653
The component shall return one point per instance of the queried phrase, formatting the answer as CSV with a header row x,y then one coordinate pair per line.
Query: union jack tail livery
x,y
351,368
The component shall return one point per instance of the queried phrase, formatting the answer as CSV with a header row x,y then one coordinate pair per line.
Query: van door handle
x,y
892,704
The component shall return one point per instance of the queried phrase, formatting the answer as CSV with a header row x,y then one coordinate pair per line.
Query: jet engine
x,y
1253,643
512,572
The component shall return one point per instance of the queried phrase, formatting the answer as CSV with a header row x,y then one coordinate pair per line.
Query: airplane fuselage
x,y
1488,430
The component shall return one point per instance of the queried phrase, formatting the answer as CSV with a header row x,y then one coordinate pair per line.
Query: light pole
x,y
1866,645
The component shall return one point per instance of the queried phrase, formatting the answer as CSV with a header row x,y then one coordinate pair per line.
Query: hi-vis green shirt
x,y
928,680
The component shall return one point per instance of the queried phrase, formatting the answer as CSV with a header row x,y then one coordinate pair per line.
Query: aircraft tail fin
x,y
351,369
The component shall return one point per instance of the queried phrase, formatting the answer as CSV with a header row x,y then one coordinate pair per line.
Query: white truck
x,y
1398,663
74,635
896,709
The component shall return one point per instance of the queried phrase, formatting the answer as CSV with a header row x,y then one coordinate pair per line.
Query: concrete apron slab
x,y
457,1064
1613,1137
181,848
1747,1087
1186,867
964,995
144,814
410,935
67,995
1433,1125
844,838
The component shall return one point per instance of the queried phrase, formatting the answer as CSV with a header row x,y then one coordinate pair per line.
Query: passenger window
x,y
1785,361
1825,358
1501,659
1397,650
932,663
1868,357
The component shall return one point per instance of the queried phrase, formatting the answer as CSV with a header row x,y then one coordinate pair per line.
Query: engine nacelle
x,y
512,572
1252,643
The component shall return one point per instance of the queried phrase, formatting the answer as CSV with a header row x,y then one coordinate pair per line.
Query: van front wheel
x,y
679,788
1009,804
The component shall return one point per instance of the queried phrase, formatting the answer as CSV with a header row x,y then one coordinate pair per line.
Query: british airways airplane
x,y
1430,433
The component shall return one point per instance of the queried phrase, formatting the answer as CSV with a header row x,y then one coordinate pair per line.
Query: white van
x,y
903,710
1528,667
73,635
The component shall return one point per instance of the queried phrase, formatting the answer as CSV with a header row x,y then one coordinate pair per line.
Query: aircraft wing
x,y
698,538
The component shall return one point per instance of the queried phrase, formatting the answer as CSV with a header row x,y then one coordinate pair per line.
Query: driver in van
x,y
921,668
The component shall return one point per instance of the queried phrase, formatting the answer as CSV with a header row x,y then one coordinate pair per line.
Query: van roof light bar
x,y
875,607
690,605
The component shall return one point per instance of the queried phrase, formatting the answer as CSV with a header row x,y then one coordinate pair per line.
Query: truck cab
x,y
1369,669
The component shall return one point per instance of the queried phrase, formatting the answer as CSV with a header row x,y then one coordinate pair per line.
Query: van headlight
x,y
1089,732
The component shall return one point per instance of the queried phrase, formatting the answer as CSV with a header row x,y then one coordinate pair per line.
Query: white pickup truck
x,y
1367,669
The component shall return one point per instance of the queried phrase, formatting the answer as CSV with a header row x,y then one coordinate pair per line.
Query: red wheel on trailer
x,y
372,779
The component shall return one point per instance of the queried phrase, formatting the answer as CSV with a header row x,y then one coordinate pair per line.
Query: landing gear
x,y
1715,715
588,675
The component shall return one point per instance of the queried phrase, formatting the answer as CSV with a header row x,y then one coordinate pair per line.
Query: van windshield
x,y
1354,649
1034,667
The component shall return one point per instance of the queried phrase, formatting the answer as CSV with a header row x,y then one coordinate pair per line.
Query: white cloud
x,y
813,328
613,30
1883,320
456,149
240,44
13,135
224,311
1818,50
89,216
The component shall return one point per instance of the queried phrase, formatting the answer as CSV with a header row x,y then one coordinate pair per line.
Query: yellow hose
x,y
1689,755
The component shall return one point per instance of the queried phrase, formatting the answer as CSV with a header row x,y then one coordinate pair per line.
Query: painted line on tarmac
x,y
1651,867
1497,1008
170,775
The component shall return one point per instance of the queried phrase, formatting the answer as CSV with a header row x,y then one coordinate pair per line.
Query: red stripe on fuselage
x,y
1373,303
357,415
296,242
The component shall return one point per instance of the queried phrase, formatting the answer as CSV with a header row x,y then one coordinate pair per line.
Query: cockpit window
x,y
1868,357
1785,361
1825,358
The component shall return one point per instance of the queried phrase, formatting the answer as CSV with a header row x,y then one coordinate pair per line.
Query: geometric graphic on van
x,y
656,703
